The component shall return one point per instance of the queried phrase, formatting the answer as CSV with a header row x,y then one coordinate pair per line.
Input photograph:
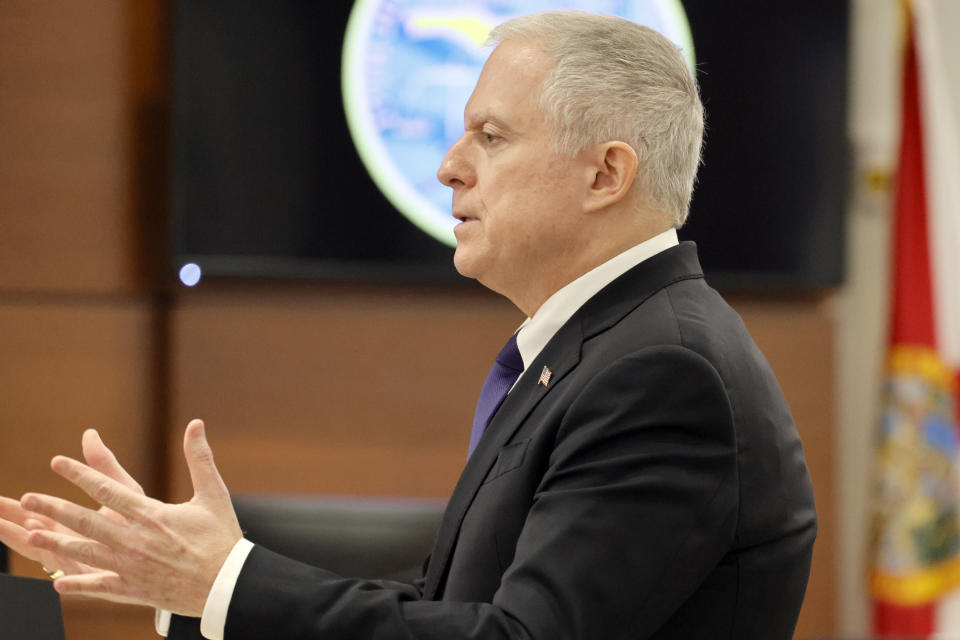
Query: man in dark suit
x,y
634,470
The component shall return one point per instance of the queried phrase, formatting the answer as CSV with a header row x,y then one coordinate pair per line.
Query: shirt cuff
x,y
214,617
161,620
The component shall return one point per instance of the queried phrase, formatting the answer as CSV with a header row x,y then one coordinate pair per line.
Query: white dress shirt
x,y
533,335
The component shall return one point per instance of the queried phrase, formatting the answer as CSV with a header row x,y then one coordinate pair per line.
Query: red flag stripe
x,y
911,622
913,315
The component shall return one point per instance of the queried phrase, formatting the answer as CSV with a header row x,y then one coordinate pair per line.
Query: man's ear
x,y
613,167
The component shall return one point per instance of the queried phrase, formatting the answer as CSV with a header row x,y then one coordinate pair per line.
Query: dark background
x,y
267,182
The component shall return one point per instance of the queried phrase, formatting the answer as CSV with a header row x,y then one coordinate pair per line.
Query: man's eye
x,y
489,137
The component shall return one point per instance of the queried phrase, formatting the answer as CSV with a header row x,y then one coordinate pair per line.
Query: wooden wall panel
x,y
68,119
334,390
85,619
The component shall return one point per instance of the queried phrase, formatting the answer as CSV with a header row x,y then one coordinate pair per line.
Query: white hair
x,y
617,80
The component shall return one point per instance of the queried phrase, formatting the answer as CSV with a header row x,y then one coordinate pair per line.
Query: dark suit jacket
x,y
655,488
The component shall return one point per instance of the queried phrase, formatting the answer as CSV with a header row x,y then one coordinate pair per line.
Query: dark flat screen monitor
x,y
268,181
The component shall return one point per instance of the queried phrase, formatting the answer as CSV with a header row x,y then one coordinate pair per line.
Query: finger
x,y
36,522
207,482
86,522
15,537
101,458
104,585
101,488
82,550
11,510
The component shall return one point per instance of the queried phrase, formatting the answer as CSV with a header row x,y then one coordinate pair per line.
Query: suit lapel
x,y
560,355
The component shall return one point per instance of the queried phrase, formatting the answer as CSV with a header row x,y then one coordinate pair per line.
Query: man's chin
x,y
463,264
477,265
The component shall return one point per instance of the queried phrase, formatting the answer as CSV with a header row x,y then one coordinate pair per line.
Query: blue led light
x,y
190,274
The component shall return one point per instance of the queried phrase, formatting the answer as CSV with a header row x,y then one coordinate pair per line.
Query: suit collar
x,y
536,331
630,290
560,356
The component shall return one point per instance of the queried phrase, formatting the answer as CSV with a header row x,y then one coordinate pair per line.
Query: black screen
x,y
768,207
267,181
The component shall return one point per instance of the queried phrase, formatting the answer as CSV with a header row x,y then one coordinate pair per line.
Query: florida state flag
x,y
915,574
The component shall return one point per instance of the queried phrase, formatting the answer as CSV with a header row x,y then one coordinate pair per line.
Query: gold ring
x,y
53,574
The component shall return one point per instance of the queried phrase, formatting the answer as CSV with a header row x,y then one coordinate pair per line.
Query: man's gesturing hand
x,y
165,555
16,522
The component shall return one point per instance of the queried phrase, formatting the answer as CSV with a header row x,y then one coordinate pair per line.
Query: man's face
x,y
515,197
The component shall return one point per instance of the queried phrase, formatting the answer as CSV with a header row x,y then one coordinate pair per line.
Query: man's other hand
x,y
16,522
137,549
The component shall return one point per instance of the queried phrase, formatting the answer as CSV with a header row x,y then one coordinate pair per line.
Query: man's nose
x,y
455,170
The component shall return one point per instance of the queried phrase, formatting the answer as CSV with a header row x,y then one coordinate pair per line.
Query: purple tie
x,y
505,370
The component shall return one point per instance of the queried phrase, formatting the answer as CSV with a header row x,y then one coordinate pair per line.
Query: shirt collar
x,y
536,332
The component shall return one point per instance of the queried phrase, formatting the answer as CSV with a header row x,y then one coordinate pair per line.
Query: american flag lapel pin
x,y
545,376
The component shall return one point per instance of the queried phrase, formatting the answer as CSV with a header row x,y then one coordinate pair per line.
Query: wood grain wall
x,y
333,389
315,388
